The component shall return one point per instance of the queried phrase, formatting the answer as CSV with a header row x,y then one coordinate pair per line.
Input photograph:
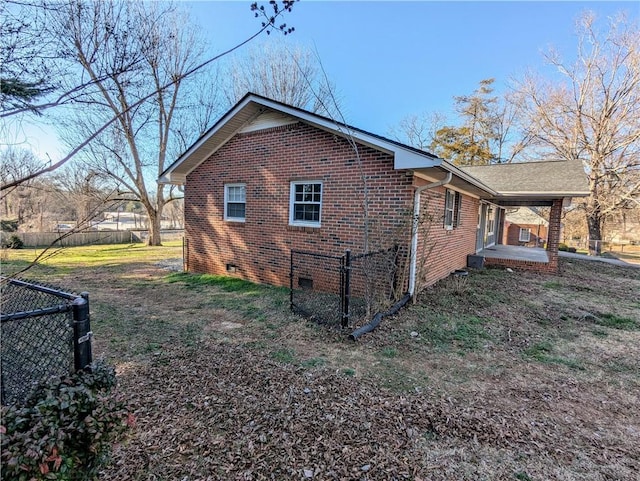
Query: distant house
x,y
524,227
269,178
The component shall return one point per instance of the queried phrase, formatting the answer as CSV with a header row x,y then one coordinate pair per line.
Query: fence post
x,y
81,332
346,288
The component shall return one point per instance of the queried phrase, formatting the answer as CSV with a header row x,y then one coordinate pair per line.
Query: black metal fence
x,y
45,332
340,290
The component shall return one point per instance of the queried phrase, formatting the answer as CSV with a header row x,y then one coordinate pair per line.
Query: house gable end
x,y
257,113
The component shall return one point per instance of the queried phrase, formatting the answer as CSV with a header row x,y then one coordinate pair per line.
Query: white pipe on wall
x,y
413,261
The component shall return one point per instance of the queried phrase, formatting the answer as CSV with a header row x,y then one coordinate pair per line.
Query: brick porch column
x,y
553,237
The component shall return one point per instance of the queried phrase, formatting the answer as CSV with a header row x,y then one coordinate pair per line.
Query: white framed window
x,y
525,234
452,209
305,204
235,202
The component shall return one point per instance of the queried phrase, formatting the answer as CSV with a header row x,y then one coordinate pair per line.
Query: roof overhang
x,y
532,183
460,180
252,106
533,200
241,118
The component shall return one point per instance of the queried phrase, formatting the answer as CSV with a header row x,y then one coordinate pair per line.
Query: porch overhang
x,y
534,199
532,183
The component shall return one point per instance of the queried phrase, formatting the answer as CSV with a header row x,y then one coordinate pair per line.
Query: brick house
x,y
269,178
524,227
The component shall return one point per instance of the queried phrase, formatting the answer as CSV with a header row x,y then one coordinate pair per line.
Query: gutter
x,y
414,229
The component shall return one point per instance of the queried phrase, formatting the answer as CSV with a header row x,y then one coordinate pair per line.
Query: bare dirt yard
x,y
502,376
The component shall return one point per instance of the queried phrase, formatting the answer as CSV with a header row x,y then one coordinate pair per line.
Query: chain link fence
x,y
373,283
45,332
316,287
341,290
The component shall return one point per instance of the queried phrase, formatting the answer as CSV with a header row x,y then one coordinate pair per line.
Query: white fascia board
x,y
403,158
407,159
468,178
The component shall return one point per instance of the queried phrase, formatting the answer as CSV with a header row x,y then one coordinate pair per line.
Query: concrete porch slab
x,y
516,253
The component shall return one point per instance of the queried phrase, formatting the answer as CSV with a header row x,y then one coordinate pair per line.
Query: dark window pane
x,y
448,218
236,210
306,212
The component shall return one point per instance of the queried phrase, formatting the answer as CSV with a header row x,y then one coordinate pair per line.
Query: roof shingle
x,y
558,177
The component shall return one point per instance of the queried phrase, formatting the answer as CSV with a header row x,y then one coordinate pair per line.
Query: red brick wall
x,y
553,239
445,250
267,161
545,267
512,234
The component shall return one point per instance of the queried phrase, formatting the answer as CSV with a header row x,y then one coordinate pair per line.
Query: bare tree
x,y
127,49
82,194
77,13
418,131
591,113
486,133
288,74
25,52
21,203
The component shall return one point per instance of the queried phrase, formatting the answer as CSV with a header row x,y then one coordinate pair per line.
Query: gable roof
x,y
252,106
533,179
501,183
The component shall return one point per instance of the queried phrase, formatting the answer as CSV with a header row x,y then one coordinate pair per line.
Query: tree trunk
x,y
154,228
594,222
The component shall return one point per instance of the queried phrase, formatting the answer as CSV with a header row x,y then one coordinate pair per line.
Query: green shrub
x,y
13,242
7,225
562,246
65,430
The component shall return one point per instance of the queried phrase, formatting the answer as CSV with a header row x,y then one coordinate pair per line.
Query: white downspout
x,y
413,261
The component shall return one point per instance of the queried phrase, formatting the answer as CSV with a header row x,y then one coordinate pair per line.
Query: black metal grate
x,y
37,336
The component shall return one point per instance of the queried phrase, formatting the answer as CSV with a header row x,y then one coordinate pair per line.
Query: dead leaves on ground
x,y
226,412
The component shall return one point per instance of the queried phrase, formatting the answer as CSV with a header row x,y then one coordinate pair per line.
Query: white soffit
x,y
268,120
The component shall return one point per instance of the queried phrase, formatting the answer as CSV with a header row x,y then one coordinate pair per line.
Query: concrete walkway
x,y
584,257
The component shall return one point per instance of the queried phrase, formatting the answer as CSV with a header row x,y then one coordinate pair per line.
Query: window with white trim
x,y
235,202
452,209
525,234
305,203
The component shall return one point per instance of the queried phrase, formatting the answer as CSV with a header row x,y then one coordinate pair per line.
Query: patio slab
x,y
516,253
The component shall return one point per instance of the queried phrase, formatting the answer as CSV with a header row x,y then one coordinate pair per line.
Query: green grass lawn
x,y
94,255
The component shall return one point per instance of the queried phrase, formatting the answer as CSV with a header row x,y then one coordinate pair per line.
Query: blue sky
x,y
392,59
389,60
